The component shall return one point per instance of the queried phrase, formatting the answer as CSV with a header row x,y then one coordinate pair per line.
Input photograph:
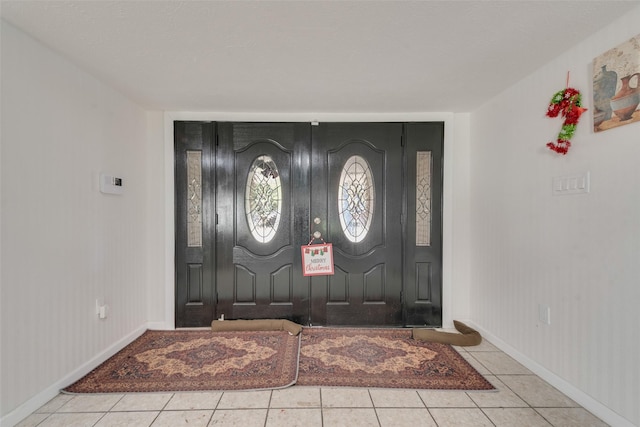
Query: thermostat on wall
x,y
110,184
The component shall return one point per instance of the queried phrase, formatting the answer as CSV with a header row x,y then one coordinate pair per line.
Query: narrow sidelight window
x,y
423,198
194,199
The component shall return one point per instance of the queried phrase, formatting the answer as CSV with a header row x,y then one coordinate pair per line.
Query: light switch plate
x,y
571,184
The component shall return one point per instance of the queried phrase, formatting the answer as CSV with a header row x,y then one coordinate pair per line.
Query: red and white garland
x,y
568,102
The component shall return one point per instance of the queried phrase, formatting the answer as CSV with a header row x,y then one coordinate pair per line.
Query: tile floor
x,y
522,399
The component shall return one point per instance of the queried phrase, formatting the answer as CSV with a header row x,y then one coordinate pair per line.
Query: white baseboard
x,y
33,404
160,326
587,402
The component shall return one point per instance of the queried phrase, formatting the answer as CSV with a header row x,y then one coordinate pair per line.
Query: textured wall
x,y
578,254
64,243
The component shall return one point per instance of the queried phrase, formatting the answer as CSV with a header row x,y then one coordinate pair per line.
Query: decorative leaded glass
x,y
423,198
263,199
194,199
356,197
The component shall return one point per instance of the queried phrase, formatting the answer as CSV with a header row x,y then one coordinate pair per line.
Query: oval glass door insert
x,y
263,199
356,198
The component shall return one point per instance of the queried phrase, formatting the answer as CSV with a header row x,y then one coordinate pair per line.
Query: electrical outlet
x,y
544,314
101,308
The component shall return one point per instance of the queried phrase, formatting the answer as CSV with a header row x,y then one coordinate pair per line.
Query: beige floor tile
x,y
195,400
499,363
476,364
351,417
384,398
446,399
128,419
56,403
91,403
536,392
239,418
32,420
142,402
503,398
346,398
458,417
72,420
515,417
303,417
570,417
244,400
183,418
296,397
403,417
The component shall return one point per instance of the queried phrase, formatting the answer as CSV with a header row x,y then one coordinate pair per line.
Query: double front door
x,y
249,196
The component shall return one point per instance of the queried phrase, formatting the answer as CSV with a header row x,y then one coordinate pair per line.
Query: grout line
x,y
487,416
321,407
373,405
266,416
157,416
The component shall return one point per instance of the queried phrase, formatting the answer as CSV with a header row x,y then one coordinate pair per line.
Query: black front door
x,y
274,185
263,209
356,196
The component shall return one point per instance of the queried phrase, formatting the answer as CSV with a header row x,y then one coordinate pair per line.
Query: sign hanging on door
x,y
317,260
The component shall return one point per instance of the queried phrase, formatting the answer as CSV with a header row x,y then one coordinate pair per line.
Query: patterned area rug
x,y
382,358
197,360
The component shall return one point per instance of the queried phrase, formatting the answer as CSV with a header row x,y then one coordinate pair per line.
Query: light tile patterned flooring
x,y
522,399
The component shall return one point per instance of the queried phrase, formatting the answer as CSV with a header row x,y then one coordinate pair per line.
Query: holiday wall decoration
x,y
567,102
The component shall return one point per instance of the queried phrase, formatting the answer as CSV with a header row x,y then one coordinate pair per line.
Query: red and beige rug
x,y
196,361
255,360
385,358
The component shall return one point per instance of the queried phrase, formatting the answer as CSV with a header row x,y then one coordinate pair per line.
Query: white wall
x,y
64,244
158,314
578,254
460,237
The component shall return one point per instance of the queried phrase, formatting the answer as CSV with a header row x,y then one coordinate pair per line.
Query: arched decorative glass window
x,y
263,199
356,197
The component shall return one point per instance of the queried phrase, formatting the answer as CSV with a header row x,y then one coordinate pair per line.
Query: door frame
x,y
168,316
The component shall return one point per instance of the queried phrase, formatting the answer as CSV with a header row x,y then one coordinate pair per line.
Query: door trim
x,y
166,320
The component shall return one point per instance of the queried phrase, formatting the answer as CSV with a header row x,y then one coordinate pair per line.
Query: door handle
x,y
316,234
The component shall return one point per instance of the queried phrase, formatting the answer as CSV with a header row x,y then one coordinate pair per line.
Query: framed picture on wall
x,y
616,86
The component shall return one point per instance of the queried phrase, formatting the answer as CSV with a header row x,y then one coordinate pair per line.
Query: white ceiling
x,y
311,56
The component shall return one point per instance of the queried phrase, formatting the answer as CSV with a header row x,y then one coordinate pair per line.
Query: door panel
x,y
195,250
367,284
261,170
423,245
